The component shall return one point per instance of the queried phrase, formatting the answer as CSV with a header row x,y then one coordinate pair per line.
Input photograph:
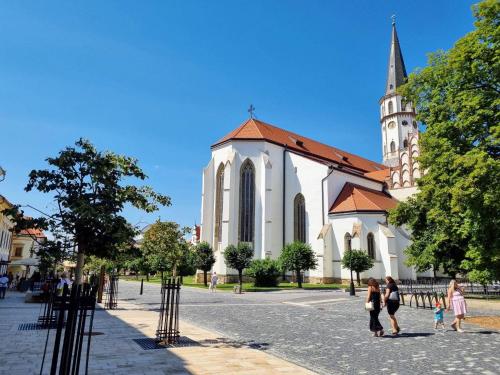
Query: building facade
x,y
267,187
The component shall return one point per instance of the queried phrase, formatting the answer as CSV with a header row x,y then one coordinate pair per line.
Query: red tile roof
x,y
381,175
257,130
32,232
359,198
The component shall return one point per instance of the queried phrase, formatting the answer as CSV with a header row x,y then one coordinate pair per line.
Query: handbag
x,y
394,296
369,306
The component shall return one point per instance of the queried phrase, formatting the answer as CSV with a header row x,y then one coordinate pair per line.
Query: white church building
x,y
268,187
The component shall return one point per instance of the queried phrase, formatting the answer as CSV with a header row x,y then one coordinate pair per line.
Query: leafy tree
x,y
264,271
358,260
205,258
238,257
51,253
298,256
163,246
454,217
89,192
187,263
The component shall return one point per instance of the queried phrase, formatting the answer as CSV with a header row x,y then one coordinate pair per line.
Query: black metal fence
x,y
168,323
441,286
47,318
111,293
74,315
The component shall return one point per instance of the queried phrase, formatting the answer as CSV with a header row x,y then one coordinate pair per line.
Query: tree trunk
x,y
358,279
147,276
240,277
299,279
205,278
80,261
101,284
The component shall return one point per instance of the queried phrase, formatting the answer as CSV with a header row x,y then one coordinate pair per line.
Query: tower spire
x,y
396,71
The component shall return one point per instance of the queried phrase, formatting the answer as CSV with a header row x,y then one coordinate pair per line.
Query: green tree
x,y
163,246
187,265
89,192
204,259
357,260
454,218
264,271
238,257
298,256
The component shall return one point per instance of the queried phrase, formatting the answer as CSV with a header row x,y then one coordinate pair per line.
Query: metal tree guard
x,y
47,317
77,304
112,293
168,323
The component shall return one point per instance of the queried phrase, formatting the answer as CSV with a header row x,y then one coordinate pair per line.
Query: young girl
x,y
456,301
438,316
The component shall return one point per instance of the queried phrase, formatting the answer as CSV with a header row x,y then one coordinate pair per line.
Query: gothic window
x,y
414,124
385,149
370,239
403,106
404,122
247,202
390,109
393,146
299,218
405,143
219,202
347,242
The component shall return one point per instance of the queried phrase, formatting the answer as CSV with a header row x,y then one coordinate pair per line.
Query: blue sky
x,y
162,80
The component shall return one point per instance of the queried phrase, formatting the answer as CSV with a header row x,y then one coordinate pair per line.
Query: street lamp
x,y
352,291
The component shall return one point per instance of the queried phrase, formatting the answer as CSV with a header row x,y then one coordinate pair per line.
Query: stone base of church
x,y
222,279
322,280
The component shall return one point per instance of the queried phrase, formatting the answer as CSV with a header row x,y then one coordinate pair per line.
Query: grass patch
x,y
247,287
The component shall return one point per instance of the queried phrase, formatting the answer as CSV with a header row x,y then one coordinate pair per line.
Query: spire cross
x,y
393,19
251,110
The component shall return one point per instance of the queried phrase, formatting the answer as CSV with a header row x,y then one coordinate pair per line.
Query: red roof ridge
x,y
367,199
253,129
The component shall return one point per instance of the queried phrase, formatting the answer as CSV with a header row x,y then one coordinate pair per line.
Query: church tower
x,y
398,122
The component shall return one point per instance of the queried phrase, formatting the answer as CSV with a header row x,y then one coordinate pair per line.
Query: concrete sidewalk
x,y
114,350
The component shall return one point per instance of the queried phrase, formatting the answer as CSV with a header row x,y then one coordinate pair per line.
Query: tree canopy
x,y
454,217
89,192
164,246
357,260
204,259
238,257
298,256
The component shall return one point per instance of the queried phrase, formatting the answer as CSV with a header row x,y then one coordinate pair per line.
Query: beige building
x,y
23,258
5,234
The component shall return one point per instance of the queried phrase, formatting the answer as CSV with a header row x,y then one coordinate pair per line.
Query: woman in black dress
x,y
391,300
375,297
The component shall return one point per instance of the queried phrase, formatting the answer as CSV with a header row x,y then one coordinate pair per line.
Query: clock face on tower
x,y
391,125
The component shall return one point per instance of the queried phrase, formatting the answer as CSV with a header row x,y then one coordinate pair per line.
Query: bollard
x,y
142,286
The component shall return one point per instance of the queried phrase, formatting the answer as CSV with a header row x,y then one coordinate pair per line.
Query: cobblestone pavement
x,y
327,331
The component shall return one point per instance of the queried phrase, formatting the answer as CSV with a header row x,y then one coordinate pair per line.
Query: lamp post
x,y
352,291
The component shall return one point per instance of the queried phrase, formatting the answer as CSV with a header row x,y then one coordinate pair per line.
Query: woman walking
x,y
456,301
375,299
391,300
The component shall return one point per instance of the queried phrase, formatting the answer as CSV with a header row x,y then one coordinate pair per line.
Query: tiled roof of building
x,y
253,129
32,232
354,198
381,175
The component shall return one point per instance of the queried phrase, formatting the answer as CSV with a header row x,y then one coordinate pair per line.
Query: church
x,y
267,186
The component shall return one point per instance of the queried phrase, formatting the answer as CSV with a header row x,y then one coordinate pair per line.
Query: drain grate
x,y
33,326
151,344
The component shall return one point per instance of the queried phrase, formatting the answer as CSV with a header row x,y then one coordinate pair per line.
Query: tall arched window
x,y
219,202
370,239
347,242
405,143
247,202
299,218
393,146
390,108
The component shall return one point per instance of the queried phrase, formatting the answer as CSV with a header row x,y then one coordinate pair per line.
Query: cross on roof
x,y
393,19
251,110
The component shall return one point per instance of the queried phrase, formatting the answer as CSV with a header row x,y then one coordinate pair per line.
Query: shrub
x,y
264,271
